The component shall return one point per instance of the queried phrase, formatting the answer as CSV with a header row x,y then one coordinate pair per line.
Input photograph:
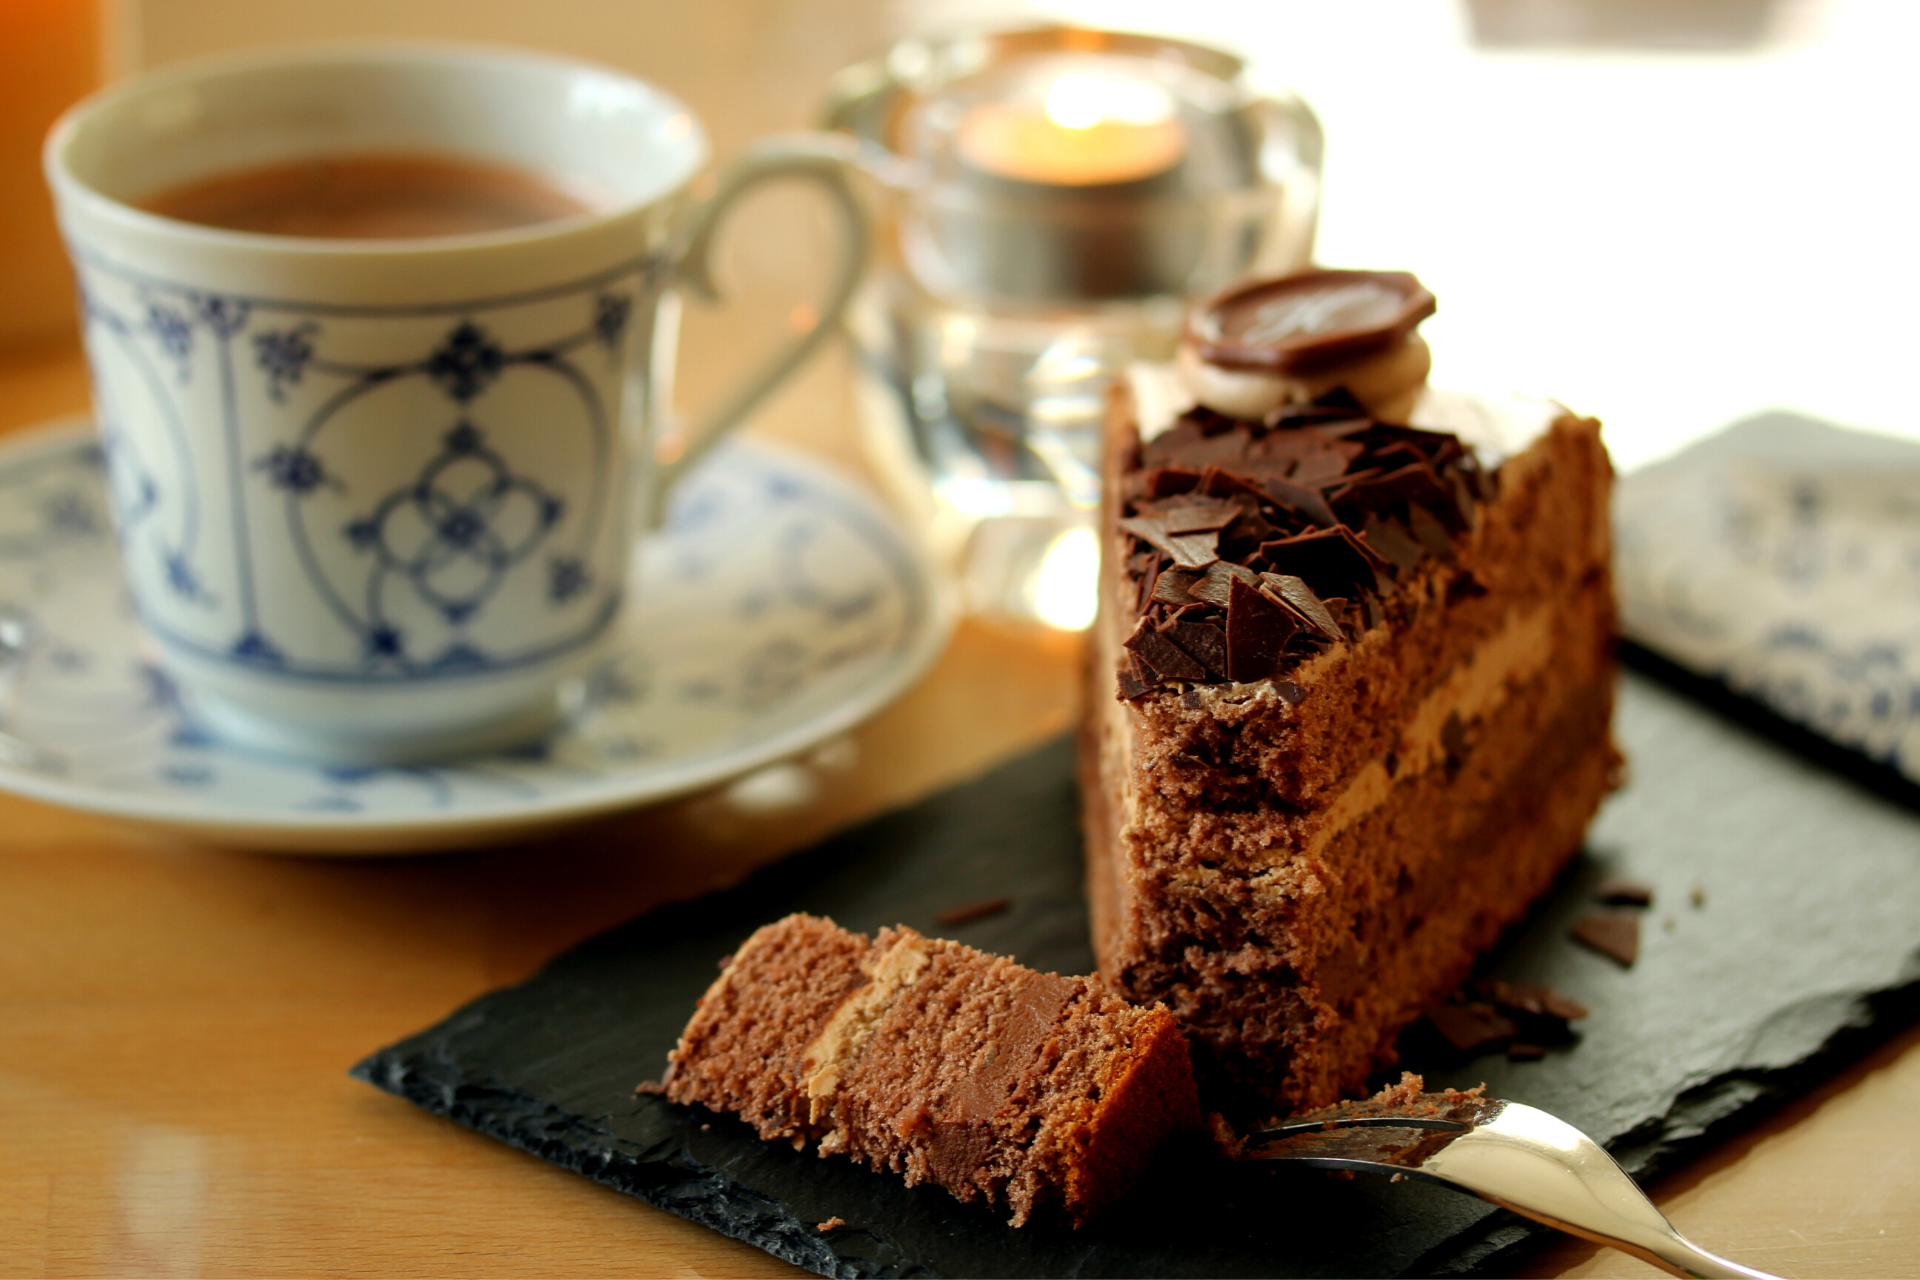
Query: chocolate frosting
x,y
1308,322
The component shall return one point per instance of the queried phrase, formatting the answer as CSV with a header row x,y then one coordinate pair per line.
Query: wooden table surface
x,y
176,1021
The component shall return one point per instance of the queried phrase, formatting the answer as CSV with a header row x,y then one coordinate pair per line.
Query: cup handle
x,y
821,158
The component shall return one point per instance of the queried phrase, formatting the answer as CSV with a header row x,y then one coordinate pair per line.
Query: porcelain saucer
x,y
780,606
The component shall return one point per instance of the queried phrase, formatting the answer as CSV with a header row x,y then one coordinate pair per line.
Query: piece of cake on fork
x,y
1351,685
928,1058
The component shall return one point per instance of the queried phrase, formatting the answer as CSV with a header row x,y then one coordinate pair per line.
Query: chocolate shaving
x,y
1297,596
1472,1028
1390,538
1198,514
1521,1051
1624,893
1431,533
1168,481
1205,642
1188,551
1298,498
1614,934
1331,561
1341,506
1531,999
1465,587
1319,468
1541,1013
1257,633
1213,586
1415,483
1171,586
1168,660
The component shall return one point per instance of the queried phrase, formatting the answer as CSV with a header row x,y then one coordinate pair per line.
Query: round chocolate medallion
x,y
1304,322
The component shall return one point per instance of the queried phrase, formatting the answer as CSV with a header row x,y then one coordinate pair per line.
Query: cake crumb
x,y
1228,1143
972,911
649,1089
1698,896
1520,1051
831,1224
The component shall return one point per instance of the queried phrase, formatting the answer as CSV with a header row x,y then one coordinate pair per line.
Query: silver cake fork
x,y
1516,1156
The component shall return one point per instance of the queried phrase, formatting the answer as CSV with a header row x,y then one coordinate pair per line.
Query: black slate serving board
x,y
1807,947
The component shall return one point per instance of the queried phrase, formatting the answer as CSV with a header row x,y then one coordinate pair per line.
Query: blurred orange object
x,y
49,58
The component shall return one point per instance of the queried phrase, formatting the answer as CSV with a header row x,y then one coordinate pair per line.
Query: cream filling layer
x,y
1505,660
847,1032
1473,689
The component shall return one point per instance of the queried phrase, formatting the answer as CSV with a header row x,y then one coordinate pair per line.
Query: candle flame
x,y
1078,100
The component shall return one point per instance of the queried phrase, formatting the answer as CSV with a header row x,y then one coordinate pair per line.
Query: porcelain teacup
x,y
376,498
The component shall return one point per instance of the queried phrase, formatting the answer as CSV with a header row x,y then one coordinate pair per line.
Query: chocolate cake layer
x,y
927,1058
1298,865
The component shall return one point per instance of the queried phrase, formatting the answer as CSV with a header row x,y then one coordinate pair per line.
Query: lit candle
x,y
1090,128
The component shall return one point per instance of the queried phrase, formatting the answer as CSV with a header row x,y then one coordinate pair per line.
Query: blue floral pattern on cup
x,y
449,547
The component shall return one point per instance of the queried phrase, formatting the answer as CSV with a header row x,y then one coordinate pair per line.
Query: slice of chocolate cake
x,y
927,1058
1351,686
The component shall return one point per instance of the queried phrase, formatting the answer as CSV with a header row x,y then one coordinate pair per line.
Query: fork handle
x,y
1642,1230
1682,1257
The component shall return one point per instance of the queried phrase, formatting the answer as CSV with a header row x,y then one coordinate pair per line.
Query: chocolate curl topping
x,y
1332,561
1297,596
1215,586
1257,633
1393,541
1167,659
1391,492
1204,642
1256,543
1172,586
1188,551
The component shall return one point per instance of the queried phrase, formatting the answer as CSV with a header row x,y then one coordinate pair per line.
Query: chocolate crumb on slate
x,y
1543,1015
1251,546
1472,1028
1520,1051
972,911
1624,893
1614,934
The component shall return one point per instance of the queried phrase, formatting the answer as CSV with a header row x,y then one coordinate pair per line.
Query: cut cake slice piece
x,y
1300,835
930,1059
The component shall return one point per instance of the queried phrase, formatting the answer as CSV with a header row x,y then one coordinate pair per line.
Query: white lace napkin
x,y
1782,557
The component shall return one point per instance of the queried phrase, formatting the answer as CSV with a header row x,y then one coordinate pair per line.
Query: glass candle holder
x,y
1059,194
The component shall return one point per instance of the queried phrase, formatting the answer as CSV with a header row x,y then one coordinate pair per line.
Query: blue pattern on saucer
x,y
779,606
